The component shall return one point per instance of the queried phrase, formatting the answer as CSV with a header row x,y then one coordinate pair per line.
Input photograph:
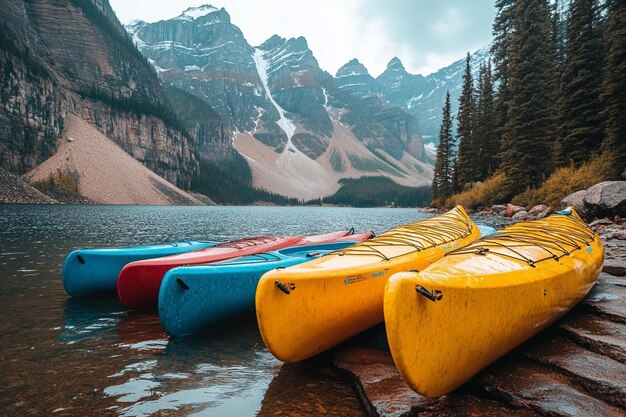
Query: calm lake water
x,y
64,356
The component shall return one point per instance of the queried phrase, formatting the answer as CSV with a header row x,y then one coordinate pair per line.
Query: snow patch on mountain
x,y
261,66
194,13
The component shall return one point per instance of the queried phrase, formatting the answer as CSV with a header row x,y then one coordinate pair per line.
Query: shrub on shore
x,y
62,179
563,182
481,194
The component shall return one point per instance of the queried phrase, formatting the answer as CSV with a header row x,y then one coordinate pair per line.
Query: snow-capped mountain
x,y
354,78
416,94
298,131
427,101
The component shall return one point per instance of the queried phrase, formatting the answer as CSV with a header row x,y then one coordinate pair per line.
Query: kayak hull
x,y
197,297
139,282
95,271
339,296
489,304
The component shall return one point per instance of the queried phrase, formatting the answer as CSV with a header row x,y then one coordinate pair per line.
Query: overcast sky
x,y
425,34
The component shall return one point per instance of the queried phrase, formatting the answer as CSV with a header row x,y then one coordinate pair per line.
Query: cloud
x,y
430,34
426,35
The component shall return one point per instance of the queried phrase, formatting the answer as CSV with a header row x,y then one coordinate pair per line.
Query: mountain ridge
x,y
287,116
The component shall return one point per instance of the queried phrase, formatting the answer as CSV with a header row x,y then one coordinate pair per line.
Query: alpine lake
x,y
71,356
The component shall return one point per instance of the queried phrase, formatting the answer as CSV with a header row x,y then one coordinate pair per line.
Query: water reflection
x,y
88,317
223,372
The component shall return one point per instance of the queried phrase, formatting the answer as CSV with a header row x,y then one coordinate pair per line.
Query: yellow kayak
x,y
449,321
306,309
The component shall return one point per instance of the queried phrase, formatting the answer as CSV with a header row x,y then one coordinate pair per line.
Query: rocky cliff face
x,y
202,52
397,85
354,78
286,115
73,56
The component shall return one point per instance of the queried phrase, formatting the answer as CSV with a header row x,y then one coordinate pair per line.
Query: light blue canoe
x,y
196,297
94,271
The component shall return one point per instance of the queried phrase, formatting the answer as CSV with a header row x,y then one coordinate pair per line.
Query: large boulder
x,y
498,208
575,200
606,199
512,209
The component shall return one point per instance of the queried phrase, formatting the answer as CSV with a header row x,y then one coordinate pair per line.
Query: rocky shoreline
x,y
577,367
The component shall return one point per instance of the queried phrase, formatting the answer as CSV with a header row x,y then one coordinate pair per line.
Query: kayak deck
x,y
465,311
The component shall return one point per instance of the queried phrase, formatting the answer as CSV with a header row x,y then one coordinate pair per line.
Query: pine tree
x,y
559,34
484,124
581,109
465,169
614,89
503,28
443,181
530,128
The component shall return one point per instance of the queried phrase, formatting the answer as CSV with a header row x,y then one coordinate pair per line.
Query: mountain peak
x,y
272,42
352,67
193,13
395,64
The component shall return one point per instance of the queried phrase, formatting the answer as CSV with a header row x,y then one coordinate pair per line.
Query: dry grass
x,y
483,194
563,182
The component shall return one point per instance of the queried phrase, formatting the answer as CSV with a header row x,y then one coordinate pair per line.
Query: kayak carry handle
x,y
432,296
351,231
282,287
312,254
80,259
182,283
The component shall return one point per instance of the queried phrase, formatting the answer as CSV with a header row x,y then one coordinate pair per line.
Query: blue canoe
x,y
95,271
196,297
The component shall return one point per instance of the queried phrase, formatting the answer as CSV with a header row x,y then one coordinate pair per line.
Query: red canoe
x,y
139,282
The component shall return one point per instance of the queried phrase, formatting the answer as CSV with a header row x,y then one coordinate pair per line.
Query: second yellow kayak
x,y
449,321
306,309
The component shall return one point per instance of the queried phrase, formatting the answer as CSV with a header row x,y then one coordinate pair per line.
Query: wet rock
x,y
471,406
607,300
600,222
385,394
575,200
607,198
521,215
600,375
429,210
523,383
379,383
498,208
310,387
597,334
512,209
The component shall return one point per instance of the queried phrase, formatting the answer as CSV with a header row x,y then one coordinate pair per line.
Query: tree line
x,y
376,191
552,95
